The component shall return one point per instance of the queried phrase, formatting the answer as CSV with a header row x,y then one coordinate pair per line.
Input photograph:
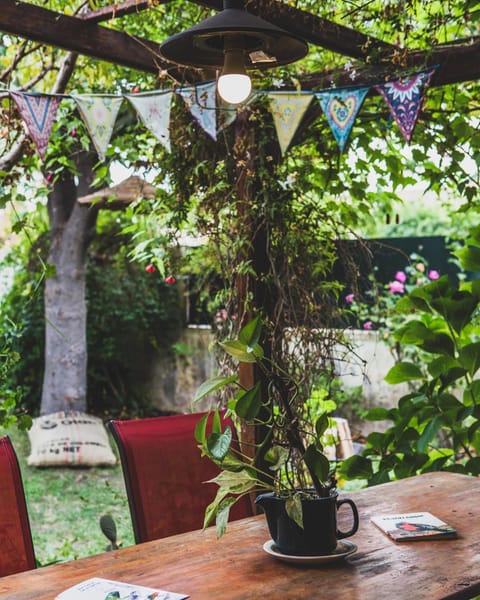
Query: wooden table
x,y
237,568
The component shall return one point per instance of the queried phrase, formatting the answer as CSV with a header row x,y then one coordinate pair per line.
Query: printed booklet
x,y
413,526
104,589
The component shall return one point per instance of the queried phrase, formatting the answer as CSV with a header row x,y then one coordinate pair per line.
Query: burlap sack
x,y
69,439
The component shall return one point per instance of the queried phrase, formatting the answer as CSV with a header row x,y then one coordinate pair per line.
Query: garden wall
x,y
173,381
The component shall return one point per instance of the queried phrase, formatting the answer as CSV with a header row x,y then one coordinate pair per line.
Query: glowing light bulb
x,y
234,87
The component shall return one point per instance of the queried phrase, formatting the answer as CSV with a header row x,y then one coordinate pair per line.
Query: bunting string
x,y
404,98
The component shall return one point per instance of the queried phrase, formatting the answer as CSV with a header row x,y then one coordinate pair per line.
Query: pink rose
x,y
349,298
396,287
367,325
433,274
400,276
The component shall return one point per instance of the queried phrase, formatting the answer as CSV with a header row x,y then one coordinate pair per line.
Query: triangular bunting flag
x,y
154,111
229,112
201,102
404,98
38,112
341,108
287,111
99,114
226,115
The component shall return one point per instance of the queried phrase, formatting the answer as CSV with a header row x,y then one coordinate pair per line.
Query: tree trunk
x,y
71,223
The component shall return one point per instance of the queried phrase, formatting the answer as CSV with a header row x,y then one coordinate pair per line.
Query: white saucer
x,y
344,548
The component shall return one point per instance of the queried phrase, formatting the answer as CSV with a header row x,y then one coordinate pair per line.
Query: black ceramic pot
x,y
319,535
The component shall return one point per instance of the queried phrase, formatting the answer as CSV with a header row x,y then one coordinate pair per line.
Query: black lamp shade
x,y
265,45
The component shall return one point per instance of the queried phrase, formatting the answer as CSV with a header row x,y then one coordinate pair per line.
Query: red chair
x,y
16,546
164,475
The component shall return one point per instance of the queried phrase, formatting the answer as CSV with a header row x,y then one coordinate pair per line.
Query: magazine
x,y
104,589
413,526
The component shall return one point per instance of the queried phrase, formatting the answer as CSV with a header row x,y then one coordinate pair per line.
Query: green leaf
x,y
276,456
356,467
469,257
213,384
234,482
469,356
441,365
377,414
317,462
471,395
200,431
249,403
402,372
250,334
417,333
218,444
321,425
473,465
223,511
429,433
242,352
293,506
457,310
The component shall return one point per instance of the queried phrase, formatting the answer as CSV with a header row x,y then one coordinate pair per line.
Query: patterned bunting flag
x,y
226,115
287,111
341,108
99,114
404,98
201,102
38,112
154,112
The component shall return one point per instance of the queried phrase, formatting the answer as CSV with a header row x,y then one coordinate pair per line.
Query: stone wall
x,y
366,367
174,380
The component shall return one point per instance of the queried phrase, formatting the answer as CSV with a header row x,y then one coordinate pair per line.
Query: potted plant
x,y
287,464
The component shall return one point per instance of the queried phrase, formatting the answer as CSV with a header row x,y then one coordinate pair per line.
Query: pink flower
x,y
349,298
433,274
396,287
221,315
367,325
400,276
73,133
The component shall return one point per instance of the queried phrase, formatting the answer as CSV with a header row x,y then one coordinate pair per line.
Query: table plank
x,y
236,568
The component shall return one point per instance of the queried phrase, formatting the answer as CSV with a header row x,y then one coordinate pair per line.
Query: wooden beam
x,y
120,10
457,61
78,35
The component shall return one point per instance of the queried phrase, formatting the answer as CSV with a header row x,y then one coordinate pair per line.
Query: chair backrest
x,y
16,546
165,475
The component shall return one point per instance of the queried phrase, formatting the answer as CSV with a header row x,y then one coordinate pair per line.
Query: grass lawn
x,y
65,505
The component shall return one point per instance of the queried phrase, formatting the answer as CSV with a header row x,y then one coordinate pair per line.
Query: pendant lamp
x,y
234,40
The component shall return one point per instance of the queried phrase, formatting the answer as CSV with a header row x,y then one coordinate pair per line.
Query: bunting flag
x,y
226,116
154,111
38,112
341,108
404,98
99,114
201,102
287,111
